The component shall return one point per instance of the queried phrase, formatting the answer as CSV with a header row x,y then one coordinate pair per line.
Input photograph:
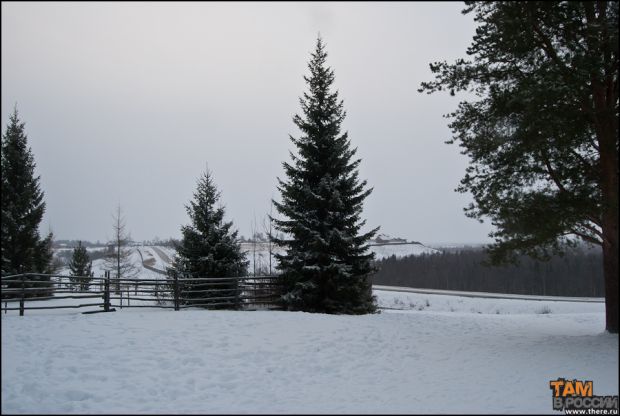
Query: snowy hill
x,y
385,246
99,266
160,257
386,250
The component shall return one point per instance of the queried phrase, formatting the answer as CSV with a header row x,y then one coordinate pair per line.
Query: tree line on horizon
x,y
577,273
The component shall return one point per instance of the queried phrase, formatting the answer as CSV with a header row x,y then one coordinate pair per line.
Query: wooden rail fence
x,y
173,292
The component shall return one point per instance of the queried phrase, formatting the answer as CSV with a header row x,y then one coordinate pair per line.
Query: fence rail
x,y
173,292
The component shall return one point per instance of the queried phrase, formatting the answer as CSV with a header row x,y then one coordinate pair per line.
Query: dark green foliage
x,y
23,251
326,267
542,132
209,249
44,255
80,267
579,272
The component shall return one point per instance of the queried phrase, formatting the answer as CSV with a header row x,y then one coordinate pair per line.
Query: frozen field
x,y
456,355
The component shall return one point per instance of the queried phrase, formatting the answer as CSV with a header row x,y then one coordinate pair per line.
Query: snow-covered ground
x,y
450,303
443,354
486,294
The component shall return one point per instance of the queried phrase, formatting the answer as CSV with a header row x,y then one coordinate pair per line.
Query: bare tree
x,y
268,229
119,259
254,244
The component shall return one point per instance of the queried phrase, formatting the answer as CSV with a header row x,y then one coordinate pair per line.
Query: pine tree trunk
x,y
610,243
607,130
610,267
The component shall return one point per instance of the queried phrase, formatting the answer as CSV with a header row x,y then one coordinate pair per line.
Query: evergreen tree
x,y
209,249
80,267
542,133
22,249
327,264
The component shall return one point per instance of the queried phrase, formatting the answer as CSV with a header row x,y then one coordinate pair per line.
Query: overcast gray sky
x,y
128,102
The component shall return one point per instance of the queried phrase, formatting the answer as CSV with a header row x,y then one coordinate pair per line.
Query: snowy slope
x,y
383,251
195,361
161,257
153,257
99,266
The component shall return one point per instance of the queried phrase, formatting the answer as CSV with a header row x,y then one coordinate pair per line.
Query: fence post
x,y
238,293
176,292
106,292
21,301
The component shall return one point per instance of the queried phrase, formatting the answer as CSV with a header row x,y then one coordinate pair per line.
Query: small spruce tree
x,y
80,267
209,248
22,248
327,264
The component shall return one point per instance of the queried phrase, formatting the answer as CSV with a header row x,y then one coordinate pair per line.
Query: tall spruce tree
x,y
209,249
327,264
22,249
542,130
80,267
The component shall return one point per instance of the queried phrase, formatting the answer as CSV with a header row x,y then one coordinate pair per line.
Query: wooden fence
x,y
244,293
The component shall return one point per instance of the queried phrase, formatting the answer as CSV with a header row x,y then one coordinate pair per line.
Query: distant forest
x,y
578,273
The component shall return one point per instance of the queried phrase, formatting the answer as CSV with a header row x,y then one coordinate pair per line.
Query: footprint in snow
x,y
77,395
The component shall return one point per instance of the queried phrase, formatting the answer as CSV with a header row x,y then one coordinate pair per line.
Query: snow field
x,y
196,361
448,303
